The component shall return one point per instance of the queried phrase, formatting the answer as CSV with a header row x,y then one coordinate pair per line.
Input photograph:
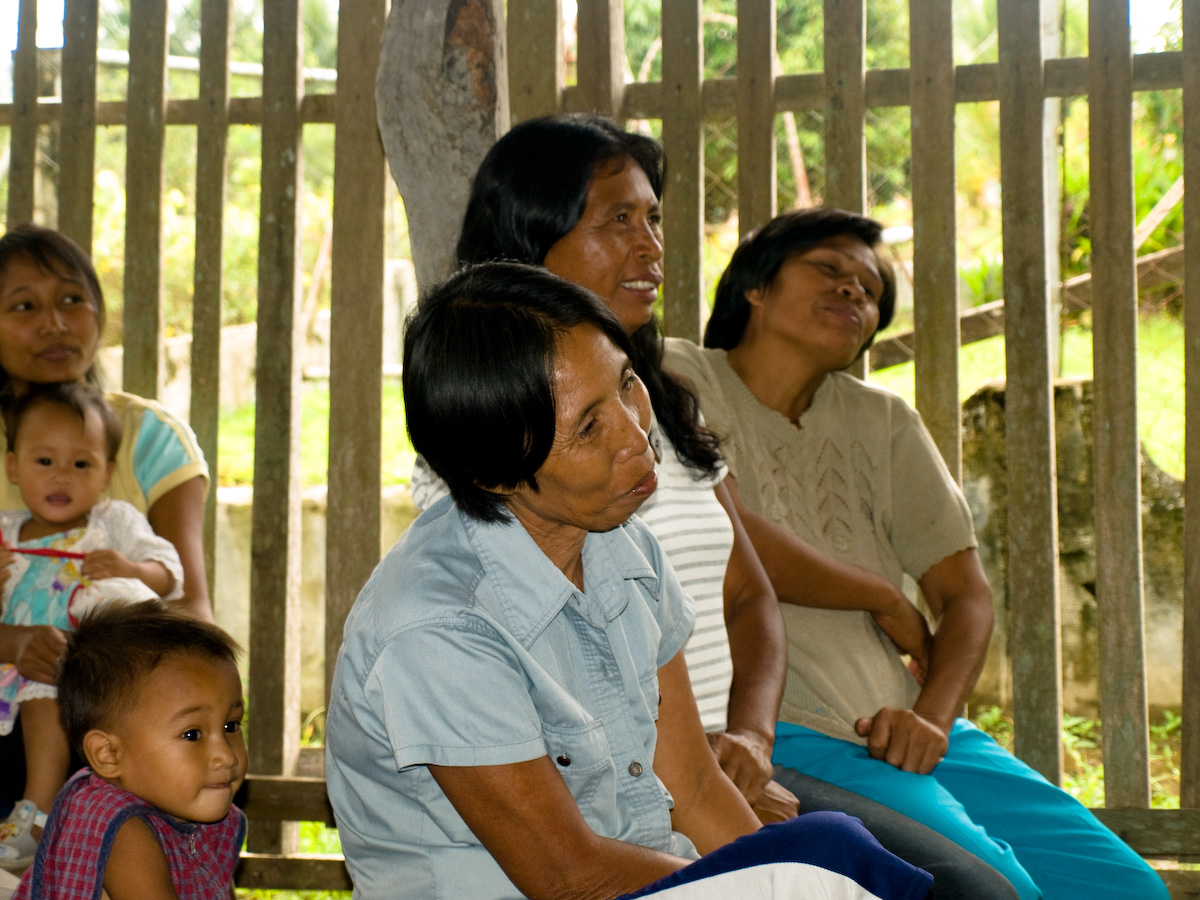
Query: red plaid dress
x,y
87,813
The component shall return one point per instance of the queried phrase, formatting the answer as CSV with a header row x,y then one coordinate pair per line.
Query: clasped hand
x,y
905,739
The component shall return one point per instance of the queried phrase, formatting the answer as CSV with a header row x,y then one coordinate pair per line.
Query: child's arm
x,y
137,867
114,564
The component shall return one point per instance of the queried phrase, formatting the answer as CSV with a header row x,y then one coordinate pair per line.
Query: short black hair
x,y
113,652
53,251
531,188
762,253
479,376
72,395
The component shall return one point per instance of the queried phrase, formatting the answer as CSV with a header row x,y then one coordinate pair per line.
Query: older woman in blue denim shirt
x,y
511,714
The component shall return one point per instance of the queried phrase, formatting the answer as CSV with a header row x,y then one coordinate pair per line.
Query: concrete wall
x,y
1162,539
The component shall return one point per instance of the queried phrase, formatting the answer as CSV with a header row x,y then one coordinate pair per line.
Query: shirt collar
x,y
525,591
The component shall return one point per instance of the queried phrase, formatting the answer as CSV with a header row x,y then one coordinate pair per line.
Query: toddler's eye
x,y
233,726
192,734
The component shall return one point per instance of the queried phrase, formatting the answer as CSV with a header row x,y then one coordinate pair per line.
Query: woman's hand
x,y
904,624
776,804
37,650
526,818
745,758
905,739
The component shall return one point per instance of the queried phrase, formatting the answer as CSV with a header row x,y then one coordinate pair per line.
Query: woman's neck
x,y
562,544
777,375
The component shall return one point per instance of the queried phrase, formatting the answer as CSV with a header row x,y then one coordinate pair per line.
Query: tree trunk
x,y
442,94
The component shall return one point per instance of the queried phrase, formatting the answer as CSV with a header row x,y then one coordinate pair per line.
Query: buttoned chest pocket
x,y
584,760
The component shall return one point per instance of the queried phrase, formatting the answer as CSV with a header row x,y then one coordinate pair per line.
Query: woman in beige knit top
x,y
850,469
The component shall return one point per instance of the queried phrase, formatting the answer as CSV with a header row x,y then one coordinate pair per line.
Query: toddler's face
x,y
60,464
181,745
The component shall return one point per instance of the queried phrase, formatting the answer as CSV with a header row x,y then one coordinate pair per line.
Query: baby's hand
x,y
108,564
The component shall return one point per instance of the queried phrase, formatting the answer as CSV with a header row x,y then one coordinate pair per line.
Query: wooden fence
x,y
1028,81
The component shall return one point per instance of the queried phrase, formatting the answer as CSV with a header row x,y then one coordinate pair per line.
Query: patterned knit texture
x,y
860,479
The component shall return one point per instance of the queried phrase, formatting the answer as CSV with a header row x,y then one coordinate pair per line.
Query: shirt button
x,y
563,759
635,768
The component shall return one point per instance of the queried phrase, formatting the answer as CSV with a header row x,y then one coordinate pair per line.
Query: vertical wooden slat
x,y
216,38
845,104
356,338
755,113
1117,465
23,141
77,127
275,541
145,116
601,65
683,140
1027,178
935,261
536,65
1190,763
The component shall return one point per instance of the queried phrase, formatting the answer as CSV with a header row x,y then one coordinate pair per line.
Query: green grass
x,y
235,464
1160,380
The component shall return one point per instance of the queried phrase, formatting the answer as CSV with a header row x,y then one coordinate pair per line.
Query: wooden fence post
x,y
683,195
145,130
275,543
935,259
1027,167
356,326
1117,449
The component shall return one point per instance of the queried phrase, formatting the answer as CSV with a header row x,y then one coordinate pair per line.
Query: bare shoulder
x,y
137,867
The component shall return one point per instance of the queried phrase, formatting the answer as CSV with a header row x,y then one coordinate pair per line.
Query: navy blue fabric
x,y
829,840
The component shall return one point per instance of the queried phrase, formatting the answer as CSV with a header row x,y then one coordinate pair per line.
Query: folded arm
x,y
805,576
916,739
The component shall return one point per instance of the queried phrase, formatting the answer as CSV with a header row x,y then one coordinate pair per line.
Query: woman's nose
x,y
637,432
853,289
651,242
52,321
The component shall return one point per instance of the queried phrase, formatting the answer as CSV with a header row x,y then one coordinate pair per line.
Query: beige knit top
x,y
861,480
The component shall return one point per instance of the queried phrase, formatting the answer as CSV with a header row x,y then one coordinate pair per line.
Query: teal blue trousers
x,y
989,802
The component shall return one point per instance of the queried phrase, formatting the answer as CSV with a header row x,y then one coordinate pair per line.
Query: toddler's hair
x,y
75,396
114,651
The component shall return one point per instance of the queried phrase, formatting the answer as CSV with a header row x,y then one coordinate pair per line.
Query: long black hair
x,y
530,191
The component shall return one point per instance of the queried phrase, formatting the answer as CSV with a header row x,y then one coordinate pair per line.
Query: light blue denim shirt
x,y
468,647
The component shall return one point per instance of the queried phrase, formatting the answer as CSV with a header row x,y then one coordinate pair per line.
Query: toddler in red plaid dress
x,y
153,702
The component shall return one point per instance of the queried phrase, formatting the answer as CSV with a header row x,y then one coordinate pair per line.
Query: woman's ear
x,y
102,750
754,296
10,467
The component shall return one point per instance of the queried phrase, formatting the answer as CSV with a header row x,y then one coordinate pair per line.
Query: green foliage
x,y
1083,775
